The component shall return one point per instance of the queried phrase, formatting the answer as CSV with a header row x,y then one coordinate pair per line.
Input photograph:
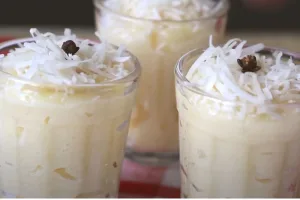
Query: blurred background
x,y
245,15
273,22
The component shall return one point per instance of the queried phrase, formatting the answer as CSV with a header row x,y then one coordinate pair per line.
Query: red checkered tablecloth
x,y
147,181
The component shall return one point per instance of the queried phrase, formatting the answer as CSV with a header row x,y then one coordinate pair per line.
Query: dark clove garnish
x,y
69,47
248,64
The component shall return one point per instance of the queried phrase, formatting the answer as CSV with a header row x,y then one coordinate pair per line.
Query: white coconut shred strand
x,y
44,60
218,73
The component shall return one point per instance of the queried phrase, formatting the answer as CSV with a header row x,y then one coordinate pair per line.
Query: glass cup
x,y
224,155
158,44
63,141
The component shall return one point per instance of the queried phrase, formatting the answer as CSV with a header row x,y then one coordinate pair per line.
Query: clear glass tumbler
x,y
223,155
63,141
158,44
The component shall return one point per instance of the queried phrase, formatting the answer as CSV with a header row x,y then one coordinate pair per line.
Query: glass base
x,y
152,158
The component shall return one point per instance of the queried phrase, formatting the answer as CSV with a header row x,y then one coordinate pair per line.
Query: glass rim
x,y
99,6
197,52
131,77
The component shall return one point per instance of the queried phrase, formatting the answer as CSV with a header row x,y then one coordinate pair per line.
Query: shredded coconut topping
x,y
165,9
44,61
218,73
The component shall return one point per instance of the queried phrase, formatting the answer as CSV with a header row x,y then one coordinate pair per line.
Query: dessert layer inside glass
x,y
158,33
64,117
239,114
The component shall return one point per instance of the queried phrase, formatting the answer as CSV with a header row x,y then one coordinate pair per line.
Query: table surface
x,y
145,181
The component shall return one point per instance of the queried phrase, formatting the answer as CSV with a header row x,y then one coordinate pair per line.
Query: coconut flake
x,y
267,93
217,72
252,49
43,60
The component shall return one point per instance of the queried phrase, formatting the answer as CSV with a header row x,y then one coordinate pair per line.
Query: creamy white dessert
x,y
158,33
65,107
239,122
